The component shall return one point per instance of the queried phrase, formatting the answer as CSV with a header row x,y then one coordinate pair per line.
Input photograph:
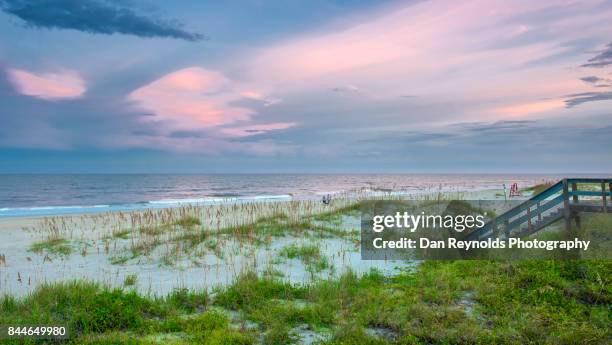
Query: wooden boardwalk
x,y
564,200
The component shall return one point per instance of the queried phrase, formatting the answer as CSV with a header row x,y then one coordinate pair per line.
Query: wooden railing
x,y
548,206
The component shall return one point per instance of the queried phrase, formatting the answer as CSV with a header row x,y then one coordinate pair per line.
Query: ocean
x,y
55,194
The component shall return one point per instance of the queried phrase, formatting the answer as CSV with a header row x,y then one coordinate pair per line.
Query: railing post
x,y
529,217
574,196
566,206
494,228
506,230
603,196
539,210
610,187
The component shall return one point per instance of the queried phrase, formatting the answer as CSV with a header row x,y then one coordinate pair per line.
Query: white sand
x,y
92,255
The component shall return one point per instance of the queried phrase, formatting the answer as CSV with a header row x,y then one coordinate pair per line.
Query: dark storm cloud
x,y
97,17
604,58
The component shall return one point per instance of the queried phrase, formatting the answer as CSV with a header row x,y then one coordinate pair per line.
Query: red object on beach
x,y
514,190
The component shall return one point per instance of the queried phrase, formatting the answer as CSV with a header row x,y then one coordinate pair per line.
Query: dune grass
x,y
191,239
309,254
130,280
57,246
460,302
188,221
538,188
442,302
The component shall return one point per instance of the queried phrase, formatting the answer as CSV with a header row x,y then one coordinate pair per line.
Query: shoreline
x,y
41,212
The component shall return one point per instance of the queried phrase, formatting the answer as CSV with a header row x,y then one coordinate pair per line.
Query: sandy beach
x,y
94,247
152,246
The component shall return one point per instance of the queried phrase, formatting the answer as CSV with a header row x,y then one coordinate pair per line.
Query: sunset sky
x,y
305,86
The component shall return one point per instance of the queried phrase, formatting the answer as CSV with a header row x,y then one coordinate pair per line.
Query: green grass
x,y
99,315
459,302
309,254
303,252
130,280
538,188
123,234
119,259
194,240
188,222
440,302
55,247
443,302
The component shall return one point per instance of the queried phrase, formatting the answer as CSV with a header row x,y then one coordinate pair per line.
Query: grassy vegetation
x,y
304,251
442,302
461,302
334,217
122,234
540,187
188,222
181,231
58,246
309,254
130,280
193,240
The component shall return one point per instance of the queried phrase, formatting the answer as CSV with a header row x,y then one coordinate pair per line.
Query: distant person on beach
x,y
326,199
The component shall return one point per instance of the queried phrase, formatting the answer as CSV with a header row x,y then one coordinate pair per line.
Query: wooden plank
x,y
552,190
590,193
550,204
529,217
553,218
566,207
506,230
494,228
603,196
586,180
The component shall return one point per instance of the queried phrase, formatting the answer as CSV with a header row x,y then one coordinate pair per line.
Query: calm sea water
x,y
28,195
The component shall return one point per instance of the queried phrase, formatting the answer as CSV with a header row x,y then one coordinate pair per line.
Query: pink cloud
x,y
259,96
525,109
252,95
197,99
427,35
467,53
50,86
192,98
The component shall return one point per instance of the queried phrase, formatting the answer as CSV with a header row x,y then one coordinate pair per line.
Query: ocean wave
x,y
214,200
47,208
152,204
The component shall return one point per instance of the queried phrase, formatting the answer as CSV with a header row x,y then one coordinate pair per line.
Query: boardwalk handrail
x,y
555,195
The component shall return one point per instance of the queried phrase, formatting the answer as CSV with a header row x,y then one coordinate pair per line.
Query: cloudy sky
x,y
305,86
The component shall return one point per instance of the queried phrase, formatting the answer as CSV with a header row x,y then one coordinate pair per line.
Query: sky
x,y
339,86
